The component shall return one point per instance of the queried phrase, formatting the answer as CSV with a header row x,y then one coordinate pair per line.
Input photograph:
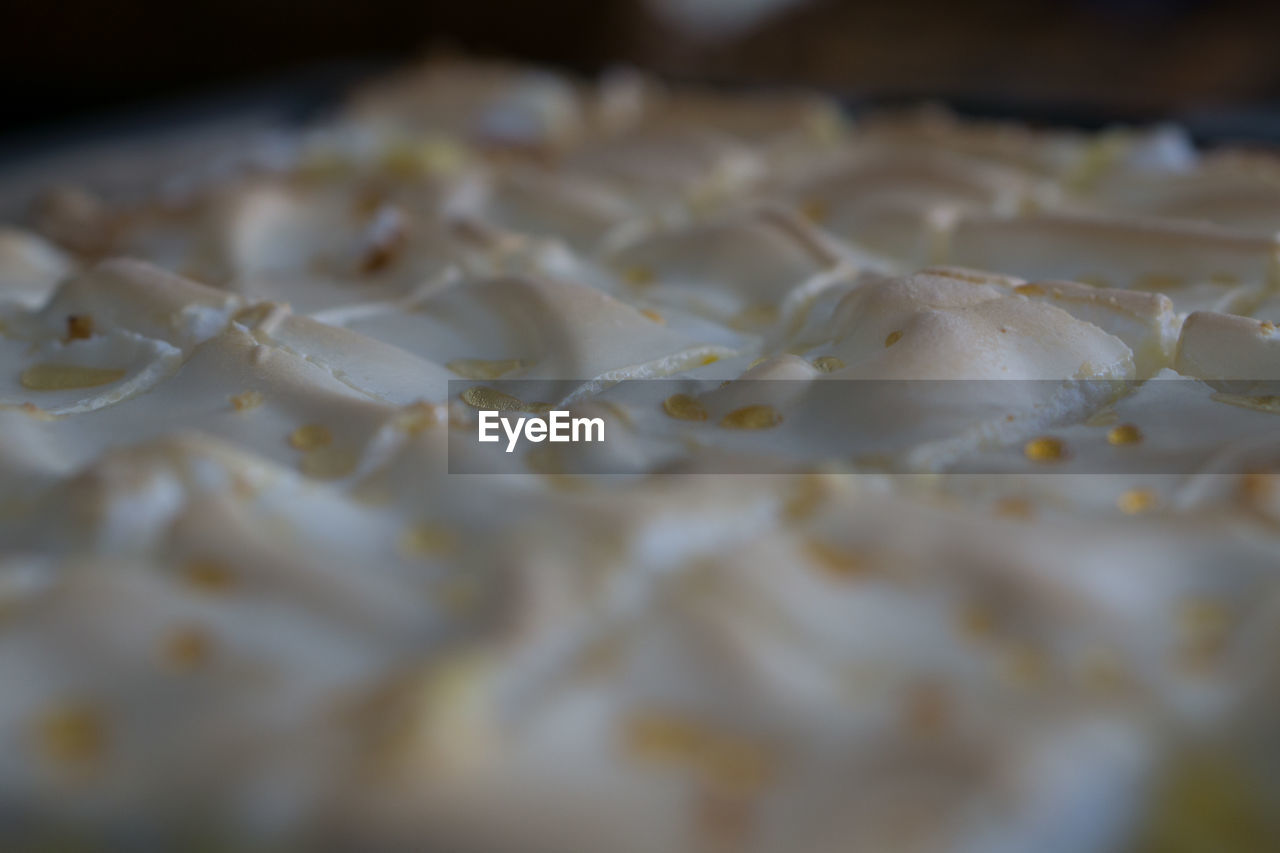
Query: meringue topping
x,y
1005,552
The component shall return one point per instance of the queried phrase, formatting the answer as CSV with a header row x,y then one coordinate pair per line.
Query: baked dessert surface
x,y
243,599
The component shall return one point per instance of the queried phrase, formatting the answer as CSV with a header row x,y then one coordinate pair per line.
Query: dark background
x,y
64,59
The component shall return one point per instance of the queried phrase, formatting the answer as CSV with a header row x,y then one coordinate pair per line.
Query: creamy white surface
x,y
933,645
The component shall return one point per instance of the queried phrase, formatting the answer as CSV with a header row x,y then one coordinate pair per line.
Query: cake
x,y
937,511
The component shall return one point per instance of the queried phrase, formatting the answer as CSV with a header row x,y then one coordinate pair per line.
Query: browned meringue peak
x,y
538,328
1144,321
944,326
134,296
931,326
1226,347
489,103
30,267
1198,266
939,327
